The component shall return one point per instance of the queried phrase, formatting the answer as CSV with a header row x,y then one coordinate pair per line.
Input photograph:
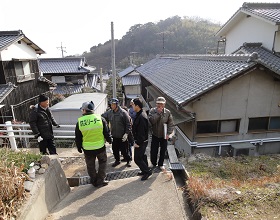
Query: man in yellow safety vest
x,y
90,135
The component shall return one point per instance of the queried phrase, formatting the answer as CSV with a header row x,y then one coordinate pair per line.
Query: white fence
x,y
9,133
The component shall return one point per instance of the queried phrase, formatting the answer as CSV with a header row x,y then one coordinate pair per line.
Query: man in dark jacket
x,y
140,129
90,134
120,128
41,121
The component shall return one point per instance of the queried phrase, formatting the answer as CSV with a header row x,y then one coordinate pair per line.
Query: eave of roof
x,y
265,56
261,11
5,90
11,37
126,71
178,115
131,80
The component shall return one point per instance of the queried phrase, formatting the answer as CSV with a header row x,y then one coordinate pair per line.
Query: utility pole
x,y
101,80
113,61
62,49
163,47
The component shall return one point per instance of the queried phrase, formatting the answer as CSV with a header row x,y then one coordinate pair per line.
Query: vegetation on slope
x,y
13,168
235,188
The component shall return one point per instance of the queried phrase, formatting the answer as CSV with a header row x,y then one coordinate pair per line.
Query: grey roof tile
x,y
269,11
58,66
265,56
131,80
185,77
5,89
10,37
126,71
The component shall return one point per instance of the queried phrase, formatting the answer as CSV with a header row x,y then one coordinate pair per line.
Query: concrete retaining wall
x,y
47,191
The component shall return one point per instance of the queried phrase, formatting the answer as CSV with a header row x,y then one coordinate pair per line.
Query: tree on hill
x,y
174,35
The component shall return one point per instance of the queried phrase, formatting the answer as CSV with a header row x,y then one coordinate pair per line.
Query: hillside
x,y
142,42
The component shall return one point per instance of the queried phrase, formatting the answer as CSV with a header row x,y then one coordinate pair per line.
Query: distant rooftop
x,y
57,66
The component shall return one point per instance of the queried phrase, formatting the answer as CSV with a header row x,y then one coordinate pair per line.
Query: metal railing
x,y
12,132
220,144
22,78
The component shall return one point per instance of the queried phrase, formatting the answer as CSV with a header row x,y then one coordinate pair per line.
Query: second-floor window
x,y
23,72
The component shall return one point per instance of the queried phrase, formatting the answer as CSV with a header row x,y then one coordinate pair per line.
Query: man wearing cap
x,y
120,128
41,121
90,134
140,130
159,118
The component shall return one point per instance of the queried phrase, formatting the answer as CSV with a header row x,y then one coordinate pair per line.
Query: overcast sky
x,y
81,24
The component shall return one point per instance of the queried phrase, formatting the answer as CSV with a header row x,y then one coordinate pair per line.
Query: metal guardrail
x,y
11,131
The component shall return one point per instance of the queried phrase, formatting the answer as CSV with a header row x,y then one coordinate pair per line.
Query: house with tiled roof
x,y
226,104
71,75
131,83
253,22
219,103
18,73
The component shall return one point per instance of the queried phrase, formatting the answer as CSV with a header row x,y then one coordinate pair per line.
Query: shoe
x,y
123,160
104,183
93,183
146,176
116,163
140,173
128,164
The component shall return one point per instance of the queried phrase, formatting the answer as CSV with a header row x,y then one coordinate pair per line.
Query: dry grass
x,y
235,188
12,176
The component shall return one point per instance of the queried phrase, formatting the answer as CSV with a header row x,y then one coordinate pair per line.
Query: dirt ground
x,y
235,188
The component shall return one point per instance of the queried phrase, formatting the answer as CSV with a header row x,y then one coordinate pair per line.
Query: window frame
x,y
267,125
218,127
23,70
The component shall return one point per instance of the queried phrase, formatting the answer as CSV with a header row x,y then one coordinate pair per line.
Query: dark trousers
x,y
118,146
140,157
96,177
156,143
47,143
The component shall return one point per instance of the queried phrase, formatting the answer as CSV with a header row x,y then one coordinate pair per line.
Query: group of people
x,y
119,127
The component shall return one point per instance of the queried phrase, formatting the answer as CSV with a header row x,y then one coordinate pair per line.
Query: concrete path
x,y
131,199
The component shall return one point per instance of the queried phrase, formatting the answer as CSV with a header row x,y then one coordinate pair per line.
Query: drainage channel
x,y
84,180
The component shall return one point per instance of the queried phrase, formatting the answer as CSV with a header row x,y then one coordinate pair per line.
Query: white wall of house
x,y
18,51
251,29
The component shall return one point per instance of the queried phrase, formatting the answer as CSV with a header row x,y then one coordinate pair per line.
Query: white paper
x,y
165,130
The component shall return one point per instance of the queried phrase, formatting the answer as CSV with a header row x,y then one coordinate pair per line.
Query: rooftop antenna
x,y
62,50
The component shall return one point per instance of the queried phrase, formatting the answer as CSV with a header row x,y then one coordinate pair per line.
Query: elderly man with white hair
x,y
160,117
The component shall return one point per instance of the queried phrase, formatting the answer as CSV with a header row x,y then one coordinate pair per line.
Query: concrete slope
x,y
130,198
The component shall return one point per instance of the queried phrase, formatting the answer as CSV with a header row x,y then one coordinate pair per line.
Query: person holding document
x,y
162,126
